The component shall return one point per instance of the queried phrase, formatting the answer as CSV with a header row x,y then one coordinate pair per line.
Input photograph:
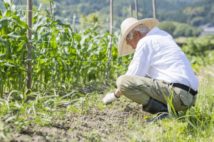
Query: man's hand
x,y
110,97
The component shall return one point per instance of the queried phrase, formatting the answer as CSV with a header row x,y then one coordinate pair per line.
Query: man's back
x,y
168,62
164,60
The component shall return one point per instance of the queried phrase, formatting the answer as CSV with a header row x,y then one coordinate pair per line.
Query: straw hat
x,y
126,27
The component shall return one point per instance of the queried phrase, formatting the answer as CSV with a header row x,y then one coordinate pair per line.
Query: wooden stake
x,y
131,11
111,17
154,8
136,8
110,40
51,9
29,46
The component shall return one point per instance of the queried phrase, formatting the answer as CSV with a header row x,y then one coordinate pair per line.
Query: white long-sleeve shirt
x,y
159,57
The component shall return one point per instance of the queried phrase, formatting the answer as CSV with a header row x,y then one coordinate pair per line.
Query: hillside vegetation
x,y
196,13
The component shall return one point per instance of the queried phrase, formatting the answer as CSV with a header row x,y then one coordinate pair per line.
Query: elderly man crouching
x,y
158,71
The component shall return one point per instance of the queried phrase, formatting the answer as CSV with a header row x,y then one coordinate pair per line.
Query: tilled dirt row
x,y
96,125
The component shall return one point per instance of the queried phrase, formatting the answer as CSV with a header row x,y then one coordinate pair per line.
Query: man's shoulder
x,y
144,43
158,33
147,40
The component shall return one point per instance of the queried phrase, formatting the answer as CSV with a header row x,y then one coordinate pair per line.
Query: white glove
x,y
110,97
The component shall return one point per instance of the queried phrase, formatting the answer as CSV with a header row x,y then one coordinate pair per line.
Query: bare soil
x,y
109,124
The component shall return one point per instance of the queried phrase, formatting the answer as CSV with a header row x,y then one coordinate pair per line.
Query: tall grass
x,y
194,125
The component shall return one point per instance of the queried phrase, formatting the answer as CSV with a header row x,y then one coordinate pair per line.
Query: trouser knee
x,y
122,82
129,87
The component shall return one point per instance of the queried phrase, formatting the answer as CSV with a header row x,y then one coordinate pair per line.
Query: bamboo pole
x,y
111,17
154,8
29,46
136,8
51,9
131,10
110,40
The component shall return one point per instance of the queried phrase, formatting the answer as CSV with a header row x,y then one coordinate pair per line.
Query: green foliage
x,y
12,49
61,56
197,21
199,51
200,13
180,29
197,13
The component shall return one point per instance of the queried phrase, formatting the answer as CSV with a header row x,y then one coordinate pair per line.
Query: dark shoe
x,y
160,116
154,106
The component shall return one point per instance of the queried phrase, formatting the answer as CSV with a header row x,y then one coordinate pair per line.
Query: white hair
x,y
140,28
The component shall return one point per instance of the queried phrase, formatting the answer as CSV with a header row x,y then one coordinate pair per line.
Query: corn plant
x,y
61,56
12,50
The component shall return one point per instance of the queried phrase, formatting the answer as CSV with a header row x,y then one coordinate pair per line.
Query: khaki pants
x,y
140,89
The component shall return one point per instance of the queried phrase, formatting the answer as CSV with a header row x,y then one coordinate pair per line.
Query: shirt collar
x,y
153,31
